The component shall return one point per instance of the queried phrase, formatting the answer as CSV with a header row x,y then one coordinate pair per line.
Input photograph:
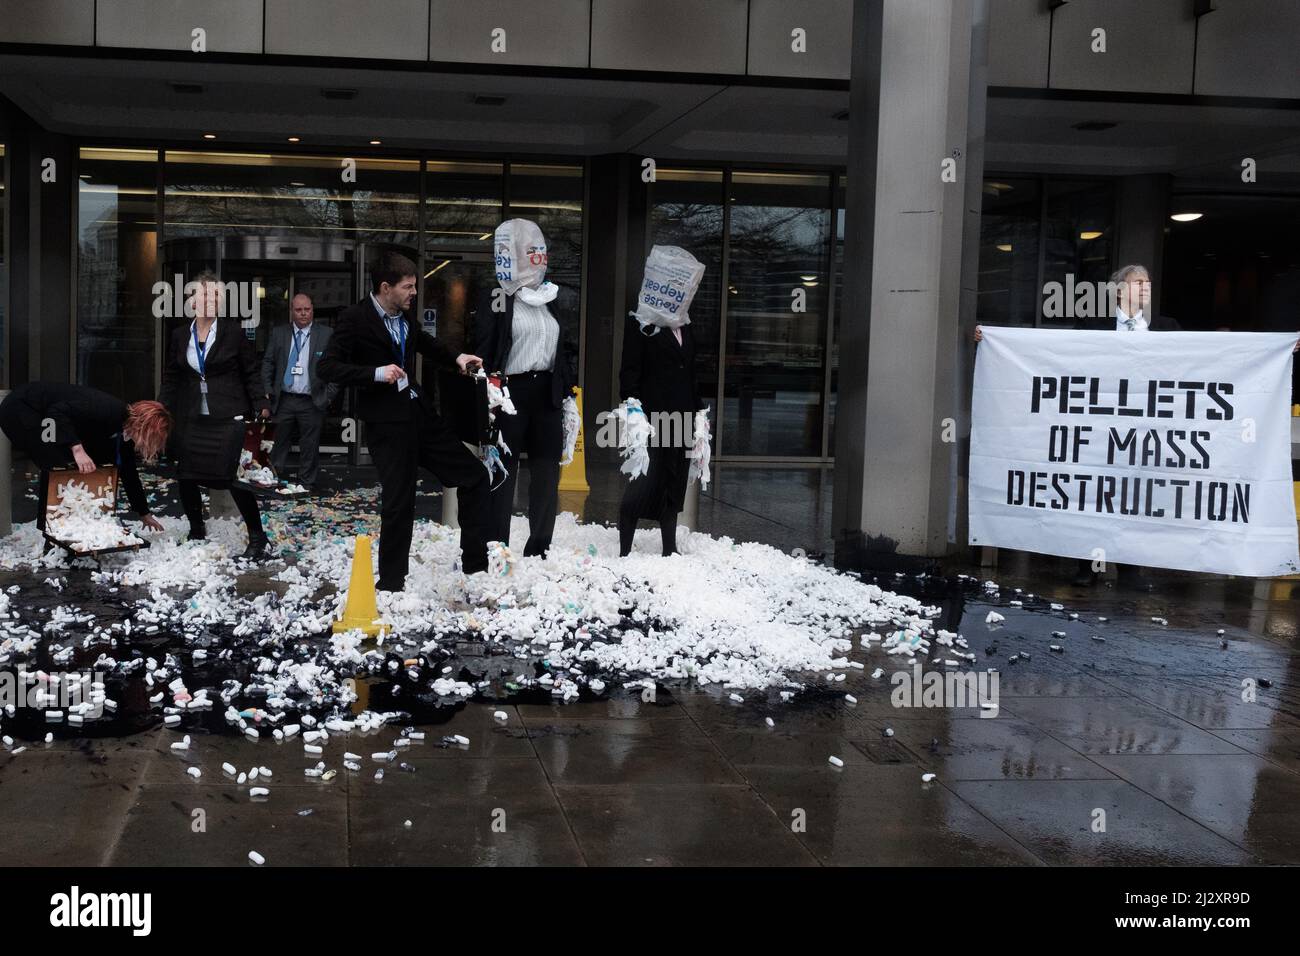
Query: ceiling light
x,y
1004,247
1090,234
1186,216
294,139
209,135
376,142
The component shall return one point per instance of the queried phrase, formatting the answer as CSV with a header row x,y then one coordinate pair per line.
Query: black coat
x,y
360,344
1159,323
658,371
234,376
494,336
82,416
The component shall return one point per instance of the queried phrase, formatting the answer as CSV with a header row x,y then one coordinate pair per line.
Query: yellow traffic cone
x,y
361,613
573,476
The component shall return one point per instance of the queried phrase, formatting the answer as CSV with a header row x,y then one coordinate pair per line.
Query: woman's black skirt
x,y
662,487
208,448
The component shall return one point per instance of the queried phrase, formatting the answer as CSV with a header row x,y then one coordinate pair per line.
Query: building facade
x,y
283,141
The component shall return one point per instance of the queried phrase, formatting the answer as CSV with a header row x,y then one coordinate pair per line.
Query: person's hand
x,y
468,363
1297,346
393,374
152,523
85,464
979,332
266,411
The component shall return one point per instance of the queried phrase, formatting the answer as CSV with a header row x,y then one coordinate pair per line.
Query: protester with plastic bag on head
x,y
527,329
657,381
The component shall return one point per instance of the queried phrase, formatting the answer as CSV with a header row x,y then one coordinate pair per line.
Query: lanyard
x,y
199,349
401,353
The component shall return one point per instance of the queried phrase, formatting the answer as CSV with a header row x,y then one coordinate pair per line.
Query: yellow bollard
x,y
361,612
573,476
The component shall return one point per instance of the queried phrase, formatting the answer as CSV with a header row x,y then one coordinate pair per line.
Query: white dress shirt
x,y
192,356
301,383
1137,323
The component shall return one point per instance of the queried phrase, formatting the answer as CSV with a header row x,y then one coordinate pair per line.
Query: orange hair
x,y
148,424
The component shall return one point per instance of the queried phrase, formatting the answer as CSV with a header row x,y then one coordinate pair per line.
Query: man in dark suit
x,y
299,396
1132,307
374,348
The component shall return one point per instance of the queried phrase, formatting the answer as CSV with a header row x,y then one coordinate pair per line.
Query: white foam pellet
x,y
228,768
501,715
850,698
312,749
770,722
835,761
256,857
258,791
194,772
927,777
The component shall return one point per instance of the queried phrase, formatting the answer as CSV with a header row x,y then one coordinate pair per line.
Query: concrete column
x,y
910,110
1142,222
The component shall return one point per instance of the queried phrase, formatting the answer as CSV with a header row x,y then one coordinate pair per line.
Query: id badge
x,y
203,388
296,370
402,383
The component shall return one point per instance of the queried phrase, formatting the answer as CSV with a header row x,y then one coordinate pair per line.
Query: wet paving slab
x,y
1191,748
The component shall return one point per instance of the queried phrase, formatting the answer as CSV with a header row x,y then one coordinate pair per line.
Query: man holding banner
x,y
1171,452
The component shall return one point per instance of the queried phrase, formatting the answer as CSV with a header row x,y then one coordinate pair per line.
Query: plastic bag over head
x,y
672,275
520,250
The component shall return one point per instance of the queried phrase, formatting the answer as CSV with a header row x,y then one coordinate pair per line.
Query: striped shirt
x,y
535,334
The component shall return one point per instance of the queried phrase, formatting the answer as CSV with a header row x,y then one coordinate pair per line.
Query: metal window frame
x,y
727,169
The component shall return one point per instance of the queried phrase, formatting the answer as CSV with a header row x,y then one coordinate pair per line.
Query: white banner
x,y
1160,449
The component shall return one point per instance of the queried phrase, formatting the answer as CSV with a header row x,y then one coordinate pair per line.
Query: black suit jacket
x,y
657,370
234,379
276,361
1159,323
494,336
360,344
82,416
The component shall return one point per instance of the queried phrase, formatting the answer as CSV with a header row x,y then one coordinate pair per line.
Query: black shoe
x,y
259,549
386,586
200,535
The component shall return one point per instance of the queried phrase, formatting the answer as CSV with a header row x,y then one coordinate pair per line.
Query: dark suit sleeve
x,y
332,389
269,361
130,478
631,368
251,374
336,364
171,377
66,431
486,340
570,320
433,350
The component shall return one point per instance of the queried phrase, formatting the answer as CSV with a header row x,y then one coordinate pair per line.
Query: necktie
x,y
293,359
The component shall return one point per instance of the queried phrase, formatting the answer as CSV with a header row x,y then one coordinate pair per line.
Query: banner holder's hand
x,y
468,364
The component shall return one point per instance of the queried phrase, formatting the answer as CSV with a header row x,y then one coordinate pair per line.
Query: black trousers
x,y
537,427
245,501
399,450
296,416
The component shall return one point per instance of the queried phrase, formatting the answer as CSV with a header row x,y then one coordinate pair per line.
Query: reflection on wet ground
x,y
1137,742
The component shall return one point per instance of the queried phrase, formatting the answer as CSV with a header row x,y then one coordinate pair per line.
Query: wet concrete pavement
x,y
1135,750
